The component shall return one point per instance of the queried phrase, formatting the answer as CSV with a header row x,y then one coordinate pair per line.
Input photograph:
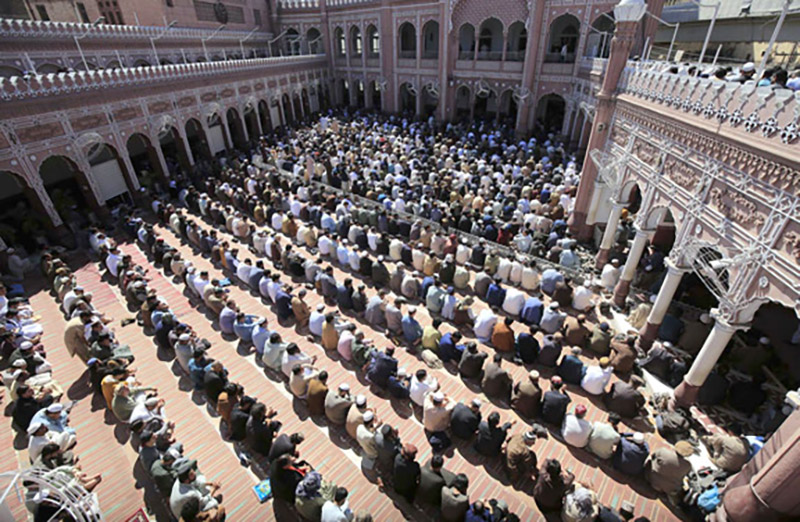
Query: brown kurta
x,y
74,340
527,398
575,333
665,470
519,457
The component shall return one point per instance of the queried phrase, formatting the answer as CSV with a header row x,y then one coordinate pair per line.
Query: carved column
x,y
717,340
243,122
227,131
665,295
629,270
608,234
529,67
187,149
88,186
766,488
621,44
161,161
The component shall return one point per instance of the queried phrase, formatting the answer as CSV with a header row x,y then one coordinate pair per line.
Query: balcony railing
x,y
761,111
12,28
59,84
557,58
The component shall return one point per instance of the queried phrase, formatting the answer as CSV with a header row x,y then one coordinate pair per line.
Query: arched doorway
x,y
344,89
598,41
550,113
144,159
172,147
287,109
314,39
292,40
251,118
197,139
22,217
356,44
408,98
68,189
306,101
236,128
430,100
110,175
375,92
517,42
359,86
339,42
508,106
430,40
296,105
463,102
485,105
407,36
373,42
263,113
490,40
564,35
217,139
466,42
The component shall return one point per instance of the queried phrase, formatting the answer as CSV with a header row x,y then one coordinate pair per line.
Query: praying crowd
x,y
443,262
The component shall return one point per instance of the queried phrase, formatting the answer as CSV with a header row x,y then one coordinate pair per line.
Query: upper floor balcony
x,y
105,84
47,47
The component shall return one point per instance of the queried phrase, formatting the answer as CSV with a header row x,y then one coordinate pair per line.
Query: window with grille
x,y
205,12
257,16
111,11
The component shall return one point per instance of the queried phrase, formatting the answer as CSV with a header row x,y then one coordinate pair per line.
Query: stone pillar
x,y
766,488
629,270
227,132
621,44
161,161
243,123
529,68
665,295
608,234
717,340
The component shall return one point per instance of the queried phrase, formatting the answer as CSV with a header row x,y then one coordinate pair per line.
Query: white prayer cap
x,y
55,408
638,437
344,387
152,402
19,363
705,318
320,307
476,402
368,416
26,345
438,397
185,338
361,400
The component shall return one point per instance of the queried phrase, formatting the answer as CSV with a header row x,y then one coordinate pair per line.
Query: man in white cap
x,y
39,436
337,404
70,298
631,453
54,417
436,412
746,73
151,409
355,416
610,275
316,320
365,435
552,319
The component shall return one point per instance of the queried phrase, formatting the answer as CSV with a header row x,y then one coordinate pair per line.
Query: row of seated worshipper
x,y
351,298
431,485
37,414
189,494
248,422
351,344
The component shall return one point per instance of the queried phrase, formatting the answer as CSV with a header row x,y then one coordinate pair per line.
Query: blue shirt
x,y
448,350
629,457
58,425
381,368
426,283
571,369
411,329
552,321
495,295
532,311
328,223
283,302
197,371
527,347
398,388
226,320
244,330
260,336
549,279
